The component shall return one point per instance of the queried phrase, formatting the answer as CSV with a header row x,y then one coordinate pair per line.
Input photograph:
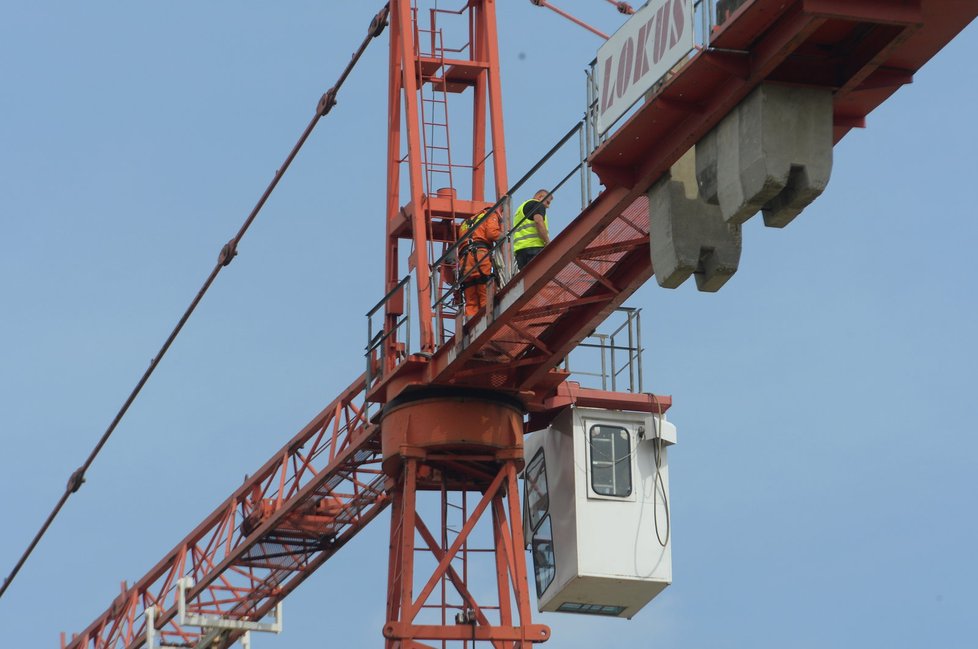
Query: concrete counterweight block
x,y
689,237
772,153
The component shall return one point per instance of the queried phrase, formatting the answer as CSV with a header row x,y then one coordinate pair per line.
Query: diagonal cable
x,y
227,254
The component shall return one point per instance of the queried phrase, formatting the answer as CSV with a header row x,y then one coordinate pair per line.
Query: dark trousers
x,y
524,256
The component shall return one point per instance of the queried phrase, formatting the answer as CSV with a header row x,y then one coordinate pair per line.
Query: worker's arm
x,y
494,228
541,228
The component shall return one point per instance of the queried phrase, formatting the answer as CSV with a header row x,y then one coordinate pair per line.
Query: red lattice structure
x,y
285,521
344,468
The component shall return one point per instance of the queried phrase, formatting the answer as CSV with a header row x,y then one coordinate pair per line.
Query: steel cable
x,y
657,482
227,254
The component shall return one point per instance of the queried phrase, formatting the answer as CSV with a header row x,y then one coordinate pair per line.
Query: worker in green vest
x,y
530,230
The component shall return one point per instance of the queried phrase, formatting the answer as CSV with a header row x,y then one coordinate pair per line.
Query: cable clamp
x,y
327,101
465,616
228,253
76,480
378,23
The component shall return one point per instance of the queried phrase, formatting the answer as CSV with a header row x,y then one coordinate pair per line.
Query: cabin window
x,y
537,496
544,562
611,461
537,501
591,609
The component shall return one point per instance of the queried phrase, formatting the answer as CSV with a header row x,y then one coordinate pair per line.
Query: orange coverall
x,y
475,261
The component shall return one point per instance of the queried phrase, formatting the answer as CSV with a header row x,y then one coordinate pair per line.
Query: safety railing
x,y
447,305
388,344
618,363
707,15
501,251
613,358
383,348
571,150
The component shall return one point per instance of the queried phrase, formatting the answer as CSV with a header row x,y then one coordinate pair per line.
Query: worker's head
x,y
544,196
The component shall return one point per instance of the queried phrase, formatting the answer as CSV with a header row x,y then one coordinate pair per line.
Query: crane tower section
x,y
439,60
451,454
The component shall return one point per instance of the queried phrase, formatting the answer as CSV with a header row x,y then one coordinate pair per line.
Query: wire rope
x,y
227,254
658,483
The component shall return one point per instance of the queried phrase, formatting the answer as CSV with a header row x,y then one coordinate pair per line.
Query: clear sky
x,y
823,490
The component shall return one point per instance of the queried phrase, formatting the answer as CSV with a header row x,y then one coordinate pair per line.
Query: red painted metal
x,y
407,612
863,50
327,483
423,73
453,446
572,18
288,518
602,240
456,443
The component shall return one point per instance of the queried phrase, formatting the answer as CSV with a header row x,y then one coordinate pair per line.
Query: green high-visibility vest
x,y
469,222
525,233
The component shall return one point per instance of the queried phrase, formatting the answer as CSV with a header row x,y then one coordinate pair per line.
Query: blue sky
x,y
823,488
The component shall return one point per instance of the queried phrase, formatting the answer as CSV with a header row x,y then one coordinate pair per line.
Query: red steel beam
x,y
404,627
244,563
880,42
883,12
570,17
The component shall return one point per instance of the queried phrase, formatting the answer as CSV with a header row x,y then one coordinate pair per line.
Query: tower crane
x,y
444,401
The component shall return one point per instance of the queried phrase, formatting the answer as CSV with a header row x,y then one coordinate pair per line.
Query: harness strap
x,y
476,274
474,281
471,246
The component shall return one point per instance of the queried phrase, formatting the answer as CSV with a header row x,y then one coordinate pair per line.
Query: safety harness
x,y
476,275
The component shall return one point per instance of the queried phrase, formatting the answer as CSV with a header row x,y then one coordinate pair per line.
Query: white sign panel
x,y
653,40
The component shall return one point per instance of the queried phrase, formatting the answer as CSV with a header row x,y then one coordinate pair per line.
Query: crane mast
x,y
429,69
449,443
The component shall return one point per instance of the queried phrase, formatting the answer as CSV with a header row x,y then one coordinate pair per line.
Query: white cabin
x,y
596,510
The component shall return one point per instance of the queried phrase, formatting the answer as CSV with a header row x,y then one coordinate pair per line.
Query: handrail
x,y
502,240
377,340
634,348
441,299
607,345
450,252
390,294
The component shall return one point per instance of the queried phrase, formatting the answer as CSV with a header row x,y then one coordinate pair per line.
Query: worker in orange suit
x,y
475,258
